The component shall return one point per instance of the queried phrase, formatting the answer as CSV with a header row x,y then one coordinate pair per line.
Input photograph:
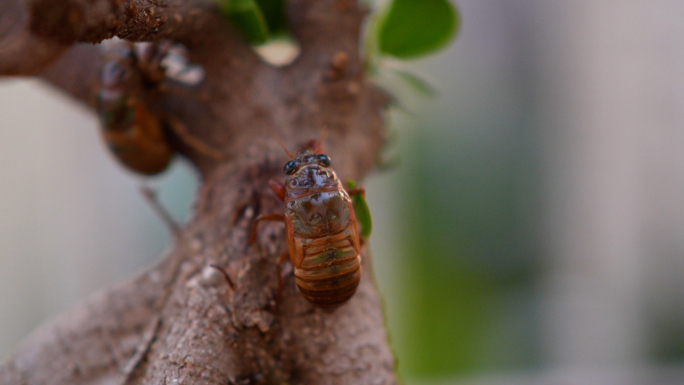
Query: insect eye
x,y
290,167
323,160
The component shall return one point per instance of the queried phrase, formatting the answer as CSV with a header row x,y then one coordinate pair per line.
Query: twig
x,y
151,197
91,21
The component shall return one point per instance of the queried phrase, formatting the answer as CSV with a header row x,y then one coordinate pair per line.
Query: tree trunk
x,y
179,322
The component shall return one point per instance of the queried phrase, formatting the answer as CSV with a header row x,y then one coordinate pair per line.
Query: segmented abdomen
x,y
330,272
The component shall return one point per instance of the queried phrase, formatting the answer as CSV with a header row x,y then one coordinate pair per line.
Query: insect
x,y
321,228
132,131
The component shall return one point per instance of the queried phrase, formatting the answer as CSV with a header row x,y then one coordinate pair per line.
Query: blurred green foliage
x,y
257,20
415,83
247,17
274,13
415,28
470,258
409,29
667,344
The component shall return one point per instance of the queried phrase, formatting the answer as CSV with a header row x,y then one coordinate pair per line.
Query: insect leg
x,y
241,210
281,260
179,129
278,188
151,197
267,217
358,190
229,281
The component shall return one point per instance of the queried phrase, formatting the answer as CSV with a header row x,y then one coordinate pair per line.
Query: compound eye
x,y
323,160
290,167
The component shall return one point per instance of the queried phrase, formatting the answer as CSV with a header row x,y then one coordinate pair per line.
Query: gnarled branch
x,y
91,21
179,322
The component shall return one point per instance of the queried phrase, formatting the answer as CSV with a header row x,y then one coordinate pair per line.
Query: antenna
x,y
283,146
318,147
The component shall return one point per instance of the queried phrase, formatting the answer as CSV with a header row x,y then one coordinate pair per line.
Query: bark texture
x,y
178,322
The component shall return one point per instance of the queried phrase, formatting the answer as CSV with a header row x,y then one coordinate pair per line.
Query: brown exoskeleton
x,y
131,130
321,229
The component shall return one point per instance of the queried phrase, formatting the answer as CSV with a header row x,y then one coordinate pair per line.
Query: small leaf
x,y
247,17
416,27
416,83
274,14
361,212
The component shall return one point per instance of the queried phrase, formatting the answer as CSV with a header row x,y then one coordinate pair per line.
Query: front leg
x,y
266,217
180,130
279,189
358,190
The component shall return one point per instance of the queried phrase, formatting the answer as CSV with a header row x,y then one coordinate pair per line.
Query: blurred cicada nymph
x,y
134,133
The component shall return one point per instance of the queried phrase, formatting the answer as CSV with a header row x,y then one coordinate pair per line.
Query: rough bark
x,y
179,322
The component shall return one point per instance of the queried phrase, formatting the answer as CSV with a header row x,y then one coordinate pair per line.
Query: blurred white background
x,y
71,220
533,232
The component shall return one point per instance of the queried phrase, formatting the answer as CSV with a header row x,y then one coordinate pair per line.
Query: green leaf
x,y
416,83
361,211
247,17
274,14
416,27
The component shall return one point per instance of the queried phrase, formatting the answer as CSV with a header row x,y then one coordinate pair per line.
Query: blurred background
x,y
532,232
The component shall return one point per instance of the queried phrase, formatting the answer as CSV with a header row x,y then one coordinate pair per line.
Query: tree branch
x,y
22,53
179,322
91,21
94,342
35,32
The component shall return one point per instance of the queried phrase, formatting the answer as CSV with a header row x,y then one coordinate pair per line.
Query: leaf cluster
x,y
407,30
